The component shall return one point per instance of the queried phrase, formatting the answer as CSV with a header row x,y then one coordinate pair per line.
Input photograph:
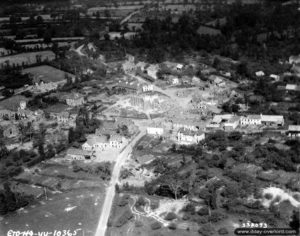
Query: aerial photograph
x,y
149,117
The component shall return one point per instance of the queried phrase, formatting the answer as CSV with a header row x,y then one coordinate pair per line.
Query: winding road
x,y
111,190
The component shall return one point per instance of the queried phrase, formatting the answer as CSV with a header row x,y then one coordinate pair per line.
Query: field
x,y
27,58
64,200
47,73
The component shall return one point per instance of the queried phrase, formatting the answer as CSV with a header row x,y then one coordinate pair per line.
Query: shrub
x,y
170,216
206,230
203,211
223,231
123,201
154,205
172,226
123,219
268,196
138,224
140,202
155,226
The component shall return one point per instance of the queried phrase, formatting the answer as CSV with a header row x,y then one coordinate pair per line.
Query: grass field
x,y
27,58
47,73
75,204
78,209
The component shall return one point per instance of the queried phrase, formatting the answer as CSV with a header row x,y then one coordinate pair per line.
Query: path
x,y
129,16
110,192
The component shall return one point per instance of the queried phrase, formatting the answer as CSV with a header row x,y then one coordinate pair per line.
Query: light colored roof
x,y
252,117
219,118
292,87
271,118
294,128
233,119
189,132
79,152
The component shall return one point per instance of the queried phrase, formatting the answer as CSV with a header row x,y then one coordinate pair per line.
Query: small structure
x,y
293,131
179,67
79,154
275,77
259,73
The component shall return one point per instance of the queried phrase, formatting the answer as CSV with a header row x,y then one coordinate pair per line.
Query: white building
x,y
259,73
250,120
179,67
158,131
102,142
232,123
294,131
272,120
187,137
147,87
294,59
186,124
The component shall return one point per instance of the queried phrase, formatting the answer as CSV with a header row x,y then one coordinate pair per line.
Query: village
x,y
139,138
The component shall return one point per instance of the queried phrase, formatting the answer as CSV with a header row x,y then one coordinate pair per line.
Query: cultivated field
x,y
47,73
27,58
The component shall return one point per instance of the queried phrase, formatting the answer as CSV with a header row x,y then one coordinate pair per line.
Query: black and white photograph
x,y
149,117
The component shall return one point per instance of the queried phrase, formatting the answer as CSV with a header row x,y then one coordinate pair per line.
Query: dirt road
x,y
110,192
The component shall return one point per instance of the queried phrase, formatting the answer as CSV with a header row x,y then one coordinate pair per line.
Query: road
x,y
110,192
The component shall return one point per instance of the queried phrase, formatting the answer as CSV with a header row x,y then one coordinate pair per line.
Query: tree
x,y
10,198
295,221
3,205
71,135
23,131
47,37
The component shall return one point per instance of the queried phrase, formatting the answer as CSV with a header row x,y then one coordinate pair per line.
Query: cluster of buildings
x,y
184,132
230,122
109,136
10,119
